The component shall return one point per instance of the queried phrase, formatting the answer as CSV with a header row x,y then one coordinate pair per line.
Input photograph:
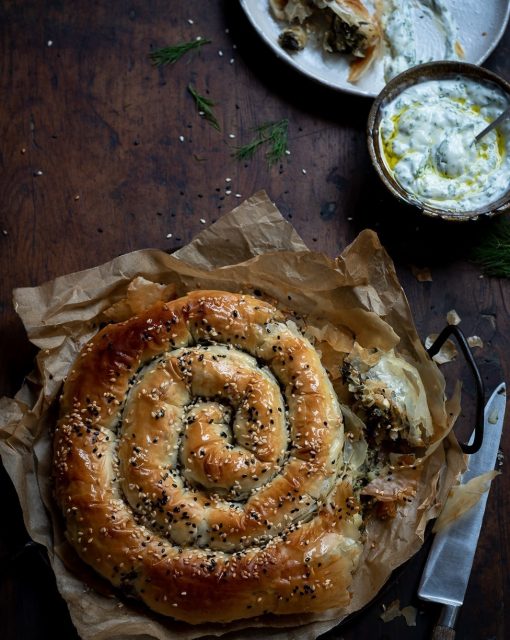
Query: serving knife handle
x,y
445,627
443,633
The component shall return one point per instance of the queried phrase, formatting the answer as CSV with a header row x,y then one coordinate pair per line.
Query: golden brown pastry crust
x,y
198,463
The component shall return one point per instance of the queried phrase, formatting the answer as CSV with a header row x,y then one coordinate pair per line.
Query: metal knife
x,y
446,573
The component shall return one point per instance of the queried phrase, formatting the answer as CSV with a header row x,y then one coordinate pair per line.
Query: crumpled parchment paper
x,y
251,247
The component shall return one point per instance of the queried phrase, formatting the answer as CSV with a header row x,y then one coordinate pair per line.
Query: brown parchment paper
x,y
253,246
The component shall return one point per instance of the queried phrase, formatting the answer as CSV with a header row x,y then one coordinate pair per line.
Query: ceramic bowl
x,y
423,73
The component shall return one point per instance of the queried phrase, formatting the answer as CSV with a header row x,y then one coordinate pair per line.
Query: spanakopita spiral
x,y
198,461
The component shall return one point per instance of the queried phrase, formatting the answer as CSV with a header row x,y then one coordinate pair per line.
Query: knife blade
x,y
446,574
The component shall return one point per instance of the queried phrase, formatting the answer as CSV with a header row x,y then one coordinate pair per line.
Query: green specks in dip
x,y
400,20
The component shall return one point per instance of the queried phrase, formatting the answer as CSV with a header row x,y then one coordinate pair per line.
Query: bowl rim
x,y
415,75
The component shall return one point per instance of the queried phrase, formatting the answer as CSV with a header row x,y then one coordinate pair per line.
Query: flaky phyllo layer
x,y
342,26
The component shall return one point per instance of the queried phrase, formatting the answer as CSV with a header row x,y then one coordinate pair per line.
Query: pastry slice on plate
x,y
346,27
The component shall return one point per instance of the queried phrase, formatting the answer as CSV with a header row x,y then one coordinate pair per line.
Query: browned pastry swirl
x,y
198,463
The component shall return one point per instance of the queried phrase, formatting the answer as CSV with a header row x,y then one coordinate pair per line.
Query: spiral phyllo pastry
x,y
198,463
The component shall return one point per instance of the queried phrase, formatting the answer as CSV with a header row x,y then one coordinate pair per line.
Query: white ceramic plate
x,y
481,25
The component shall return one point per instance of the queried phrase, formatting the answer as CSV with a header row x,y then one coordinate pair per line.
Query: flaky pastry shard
x,y
392,393
349,28
353,28
291,10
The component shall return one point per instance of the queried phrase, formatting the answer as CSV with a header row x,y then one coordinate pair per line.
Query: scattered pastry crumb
x,y
491,318
452,317
462,497
475,341
422,274
447,353
493,416
393,611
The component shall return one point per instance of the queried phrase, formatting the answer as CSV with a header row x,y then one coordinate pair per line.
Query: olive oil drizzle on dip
x,y
427,138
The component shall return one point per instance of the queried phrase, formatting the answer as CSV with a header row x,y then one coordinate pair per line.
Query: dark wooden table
x,y
101,153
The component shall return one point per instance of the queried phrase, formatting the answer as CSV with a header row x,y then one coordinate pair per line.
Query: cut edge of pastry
x,y
360,66
353,14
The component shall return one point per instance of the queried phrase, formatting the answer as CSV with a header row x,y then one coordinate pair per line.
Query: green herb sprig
x,y
170,55
275,134
493,252
204,106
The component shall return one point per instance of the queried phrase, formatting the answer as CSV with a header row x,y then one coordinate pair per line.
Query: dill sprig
x,y
273,133
204,106
170,55
493,252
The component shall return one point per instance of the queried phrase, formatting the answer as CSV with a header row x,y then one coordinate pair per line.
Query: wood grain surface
x,y
102,153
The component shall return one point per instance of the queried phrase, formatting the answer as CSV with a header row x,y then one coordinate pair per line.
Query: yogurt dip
x,y
426,137
399,20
